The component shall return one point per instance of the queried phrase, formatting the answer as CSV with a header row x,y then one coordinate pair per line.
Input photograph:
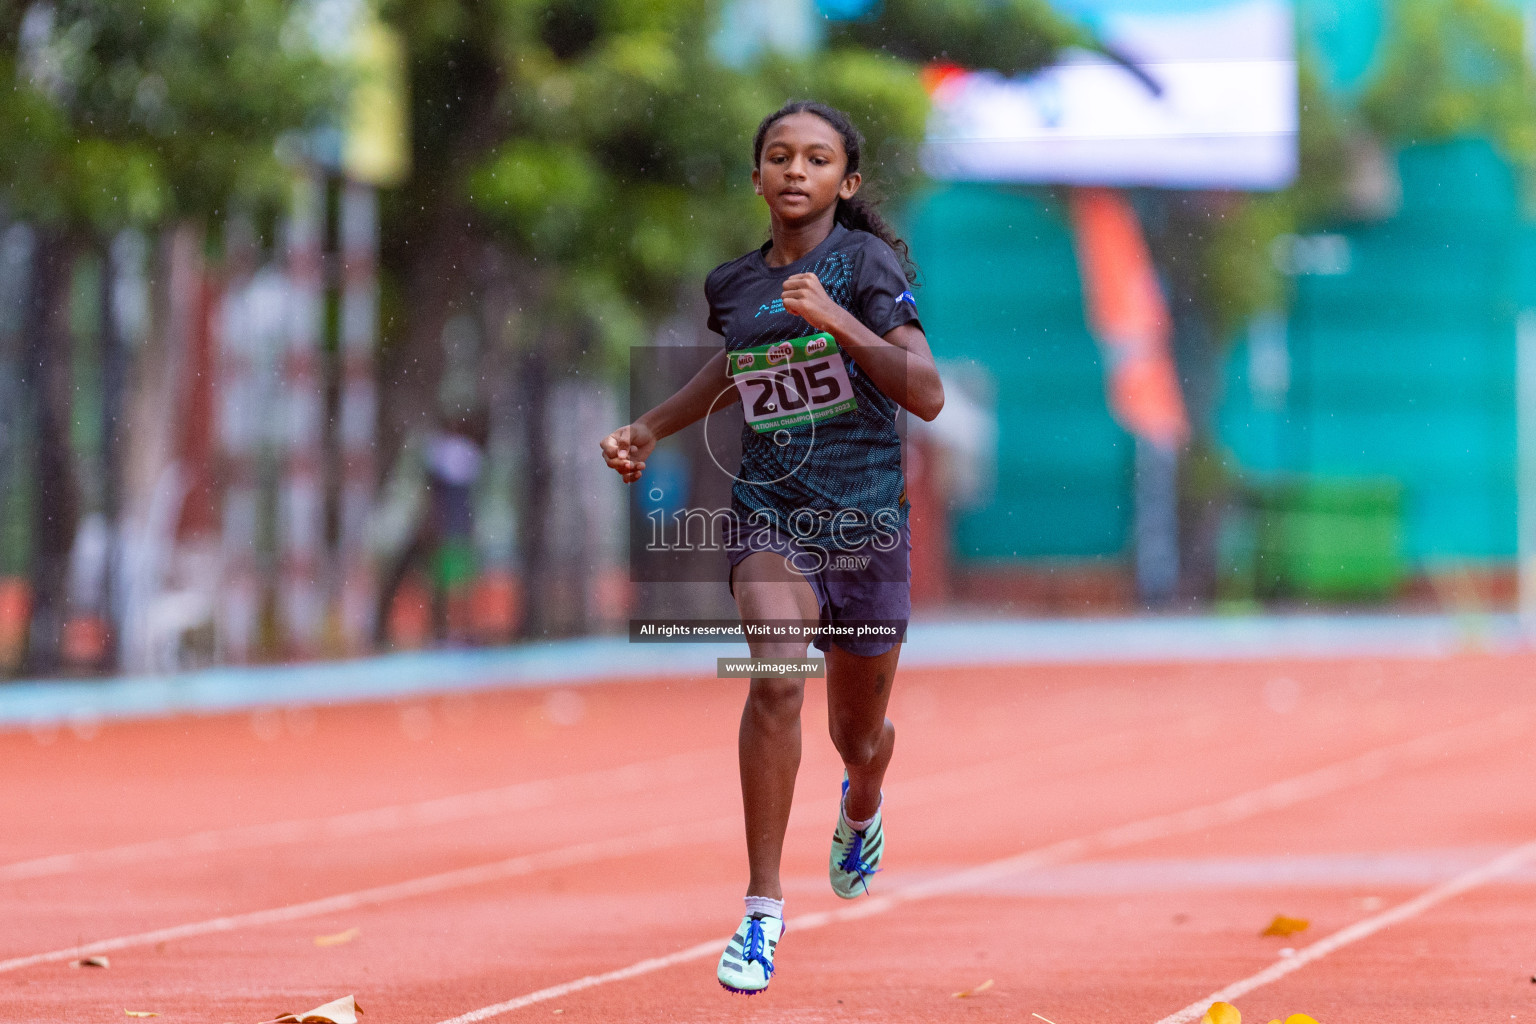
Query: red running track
x,y
1102,844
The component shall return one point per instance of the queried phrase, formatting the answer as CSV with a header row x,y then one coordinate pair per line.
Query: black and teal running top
x,y
838,476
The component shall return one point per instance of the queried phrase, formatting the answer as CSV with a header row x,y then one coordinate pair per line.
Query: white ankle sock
x,y
860,826
765,906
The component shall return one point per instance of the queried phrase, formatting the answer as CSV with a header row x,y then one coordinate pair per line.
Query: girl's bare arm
x,y
900,363
626,449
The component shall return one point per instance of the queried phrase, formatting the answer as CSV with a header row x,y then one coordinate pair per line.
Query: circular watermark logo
x,y
781,438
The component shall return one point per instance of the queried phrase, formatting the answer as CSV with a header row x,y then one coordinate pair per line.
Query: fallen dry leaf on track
x,y
338,1011
1222,1013
973,991
91,961
339,938
1283,925
140,1013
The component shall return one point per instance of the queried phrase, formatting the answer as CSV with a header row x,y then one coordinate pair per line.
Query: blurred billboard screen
x,y
1210,102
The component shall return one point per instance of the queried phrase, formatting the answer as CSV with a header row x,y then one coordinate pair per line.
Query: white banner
x,y
1211,104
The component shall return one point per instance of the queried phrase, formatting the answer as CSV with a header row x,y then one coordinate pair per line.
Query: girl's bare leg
x,y
858,692
769,742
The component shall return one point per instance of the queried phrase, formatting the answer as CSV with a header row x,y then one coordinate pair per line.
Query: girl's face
x,y
800,173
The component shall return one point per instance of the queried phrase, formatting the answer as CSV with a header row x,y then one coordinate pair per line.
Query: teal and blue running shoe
x,y
746,966
855,855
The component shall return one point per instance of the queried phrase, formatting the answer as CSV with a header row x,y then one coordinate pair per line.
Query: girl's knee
x,y
859,747
777,700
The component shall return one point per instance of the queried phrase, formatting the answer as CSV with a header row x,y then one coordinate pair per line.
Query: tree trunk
x,y
114,385
56,496
538,475
1201,487
428,237
412,368
1180,232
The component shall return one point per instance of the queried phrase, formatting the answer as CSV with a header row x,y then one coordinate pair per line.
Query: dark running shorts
x,y
877,593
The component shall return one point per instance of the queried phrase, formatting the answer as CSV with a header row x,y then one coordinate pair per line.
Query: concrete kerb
x,y
931,643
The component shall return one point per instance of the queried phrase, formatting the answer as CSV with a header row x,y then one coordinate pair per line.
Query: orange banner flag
x,y
1129,316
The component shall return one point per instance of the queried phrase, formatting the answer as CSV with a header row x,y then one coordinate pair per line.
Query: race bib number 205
x,y
790,383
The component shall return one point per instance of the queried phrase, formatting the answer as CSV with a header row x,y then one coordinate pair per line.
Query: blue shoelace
x,y
752,949
853,861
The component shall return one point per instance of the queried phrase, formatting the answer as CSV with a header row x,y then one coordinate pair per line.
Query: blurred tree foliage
x,y
604,138
580,164
1444,69
132,114
1216,246
1010,36
1455,68
124,115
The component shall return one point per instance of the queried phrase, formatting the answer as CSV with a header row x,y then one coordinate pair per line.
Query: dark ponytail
x,y
858,213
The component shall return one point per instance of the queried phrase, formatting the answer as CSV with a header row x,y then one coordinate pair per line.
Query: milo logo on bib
x,y
791,383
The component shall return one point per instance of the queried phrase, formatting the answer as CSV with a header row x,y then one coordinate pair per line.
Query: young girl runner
x,y
822,343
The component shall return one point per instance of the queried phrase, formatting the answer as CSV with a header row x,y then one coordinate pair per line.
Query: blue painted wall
x,y
1001,288
1405,365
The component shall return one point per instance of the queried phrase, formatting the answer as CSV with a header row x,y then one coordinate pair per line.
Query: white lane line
x,y
1120,875
676,770
625,780
1275,796
1354,771
1510,861
543,995
583,853
936,786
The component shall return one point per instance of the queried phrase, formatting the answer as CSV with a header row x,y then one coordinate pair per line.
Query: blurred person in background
x,y
451,458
